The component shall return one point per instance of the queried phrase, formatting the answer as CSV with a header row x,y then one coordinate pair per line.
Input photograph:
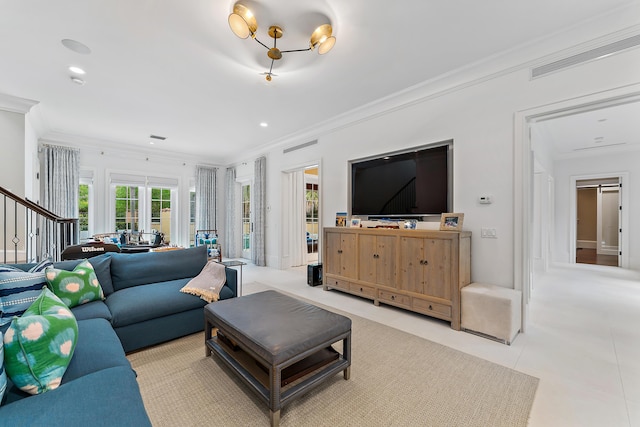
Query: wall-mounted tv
x,y
408,184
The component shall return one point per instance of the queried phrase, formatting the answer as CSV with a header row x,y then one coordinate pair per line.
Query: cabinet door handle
x,y
361,290
425,262
430,308
421,262
339,251
393,297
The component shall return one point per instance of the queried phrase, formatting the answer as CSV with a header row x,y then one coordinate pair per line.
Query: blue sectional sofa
x,y
143,306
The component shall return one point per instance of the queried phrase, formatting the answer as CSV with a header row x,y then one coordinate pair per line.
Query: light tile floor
x,y
582,339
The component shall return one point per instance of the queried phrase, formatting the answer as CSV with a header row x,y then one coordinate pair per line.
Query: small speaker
x,y
314,274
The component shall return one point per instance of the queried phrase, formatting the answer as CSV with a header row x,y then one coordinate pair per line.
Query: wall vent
x,y
589,55
297,147
161,138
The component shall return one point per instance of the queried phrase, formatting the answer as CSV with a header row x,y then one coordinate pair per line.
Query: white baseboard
x,y
608,250
586,244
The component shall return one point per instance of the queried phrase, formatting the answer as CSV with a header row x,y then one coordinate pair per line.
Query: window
x,y
127,208
83,210
311,196
192,217
161,211
246,219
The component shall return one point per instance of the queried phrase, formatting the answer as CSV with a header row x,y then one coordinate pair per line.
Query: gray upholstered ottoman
x,y
283,335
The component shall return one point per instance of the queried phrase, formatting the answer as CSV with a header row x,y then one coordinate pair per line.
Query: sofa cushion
x,y
140,303
98,348
129,270
92,310
76,287
39,345
3,375
110,397
18,290
102,266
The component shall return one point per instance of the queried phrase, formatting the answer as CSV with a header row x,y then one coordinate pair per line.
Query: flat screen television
x,y
404,185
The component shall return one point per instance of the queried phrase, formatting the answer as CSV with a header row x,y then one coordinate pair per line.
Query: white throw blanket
x,y
208,283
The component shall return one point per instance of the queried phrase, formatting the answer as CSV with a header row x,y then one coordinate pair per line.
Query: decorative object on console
x,y
451,221
355,222
244,24
411,224
341,219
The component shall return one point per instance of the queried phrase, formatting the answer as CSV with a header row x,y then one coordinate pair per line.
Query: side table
x,y
234,263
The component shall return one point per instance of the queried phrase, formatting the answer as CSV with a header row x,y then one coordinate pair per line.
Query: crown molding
x,y
15,104
124,150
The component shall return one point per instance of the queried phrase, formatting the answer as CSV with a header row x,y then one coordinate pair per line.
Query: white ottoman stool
x,y
491,310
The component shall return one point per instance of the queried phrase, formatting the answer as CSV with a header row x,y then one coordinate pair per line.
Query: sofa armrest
x,y
232,280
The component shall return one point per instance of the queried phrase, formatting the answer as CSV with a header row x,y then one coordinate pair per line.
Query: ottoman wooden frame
x,y
277,331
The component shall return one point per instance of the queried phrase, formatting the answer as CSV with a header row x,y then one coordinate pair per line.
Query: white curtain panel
x,y
59,191
258,211
296,226
206,183
232,237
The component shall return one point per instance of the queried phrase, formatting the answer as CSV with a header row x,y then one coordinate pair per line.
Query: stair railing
x,y
31,233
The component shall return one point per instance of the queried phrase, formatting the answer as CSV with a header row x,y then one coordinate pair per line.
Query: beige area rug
x,y
397,379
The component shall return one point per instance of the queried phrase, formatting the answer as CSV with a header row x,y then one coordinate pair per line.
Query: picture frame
x,y
451,221
341,219
355,222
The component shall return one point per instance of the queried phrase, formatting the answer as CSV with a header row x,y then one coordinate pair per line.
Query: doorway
x,y
247,225
598,230
301,219
562,237
312,211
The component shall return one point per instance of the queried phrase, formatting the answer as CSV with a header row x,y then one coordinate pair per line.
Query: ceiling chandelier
x,y
243,24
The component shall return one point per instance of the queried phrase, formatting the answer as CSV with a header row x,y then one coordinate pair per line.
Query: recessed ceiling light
x,y
76,70
77,80
264,124
76,46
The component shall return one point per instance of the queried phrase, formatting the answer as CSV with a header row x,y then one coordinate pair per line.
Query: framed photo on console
x,y
355,222
451,221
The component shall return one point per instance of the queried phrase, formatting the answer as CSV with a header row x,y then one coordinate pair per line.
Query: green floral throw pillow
x,y
75,287
38,346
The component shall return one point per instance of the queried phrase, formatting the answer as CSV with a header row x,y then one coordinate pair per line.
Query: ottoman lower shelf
x,y
290,373
258,379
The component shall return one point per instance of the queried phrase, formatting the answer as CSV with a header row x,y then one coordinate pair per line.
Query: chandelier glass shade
x,y
244,24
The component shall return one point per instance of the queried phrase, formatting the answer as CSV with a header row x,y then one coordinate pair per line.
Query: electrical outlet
x,y
488,233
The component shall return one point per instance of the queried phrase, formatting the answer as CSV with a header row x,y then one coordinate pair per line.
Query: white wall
x,y
611,164
480,120
12,149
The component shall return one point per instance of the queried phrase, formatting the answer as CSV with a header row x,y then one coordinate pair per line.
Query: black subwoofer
x,y
314,274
